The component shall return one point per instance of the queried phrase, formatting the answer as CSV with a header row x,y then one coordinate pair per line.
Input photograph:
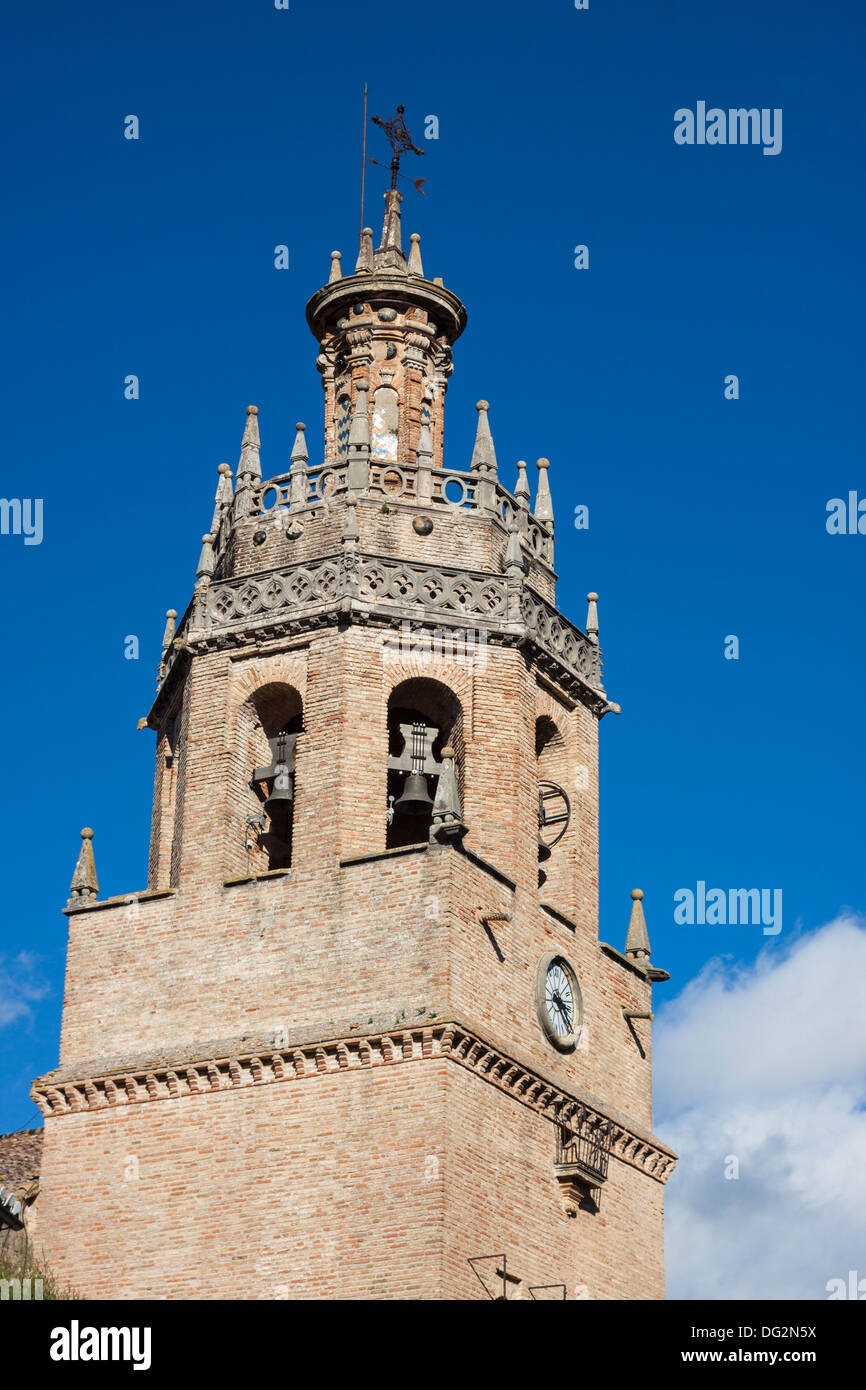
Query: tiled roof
x,y
20,1159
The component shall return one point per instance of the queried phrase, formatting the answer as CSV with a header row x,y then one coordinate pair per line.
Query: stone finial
x,y
592,617
637,946
299,448
390,252
543,500
298,470
365,251
168,635
514,551
205,566
336,272
521,488
358,472
84,886
415,266
249,464
224,496
447,813
483,454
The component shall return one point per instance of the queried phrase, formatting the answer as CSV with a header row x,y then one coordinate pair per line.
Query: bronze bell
x,y
543,851
281,795
415,799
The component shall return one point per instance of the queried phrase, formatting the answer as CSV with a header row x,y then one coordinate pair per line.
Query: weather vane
x,y
401,143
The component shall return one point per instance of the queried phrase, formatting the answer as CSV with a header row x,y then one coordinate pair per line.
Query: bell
x,y
281,794
543,851
415,800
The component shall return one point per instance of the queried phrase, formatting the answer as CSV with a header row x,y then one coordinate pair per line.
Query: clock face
x,y
559,1000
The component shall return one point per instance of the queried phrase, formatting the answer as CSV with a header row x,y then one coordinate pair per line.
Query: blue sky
x,y
707,516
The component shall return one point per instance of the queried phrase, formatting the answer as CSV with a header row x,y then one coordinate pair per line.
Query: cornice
x,y
380,286
204,1071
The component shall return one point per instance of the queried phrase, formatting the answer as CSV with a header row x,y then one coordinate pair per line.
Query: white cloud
x,y
20,986
767,1064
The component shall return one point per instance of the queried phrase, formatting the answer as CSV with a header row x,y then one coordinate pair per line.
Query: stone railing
x,y
560,638
448,486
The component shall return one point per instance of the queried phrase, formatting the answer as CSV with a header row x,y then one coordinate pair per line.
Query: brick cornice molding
x,y
444,1039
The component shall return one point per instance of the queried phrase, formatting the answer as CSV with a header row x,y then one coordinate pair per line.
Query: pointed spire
x,y
543,500
637,946
84,886
299,448
521,488
298,470
483,454
224,496
514,550
336,272
415,266
168,635
249,465
205,567
365,251
358,472
447,813
390,252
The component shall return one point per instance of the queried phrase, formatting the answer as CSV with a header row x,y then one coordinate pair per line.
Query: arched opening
x,y
277,717
424,717
554,804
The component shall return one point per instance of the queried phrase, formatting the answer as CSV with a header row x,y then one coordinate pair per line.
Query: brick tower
x,y
359,1037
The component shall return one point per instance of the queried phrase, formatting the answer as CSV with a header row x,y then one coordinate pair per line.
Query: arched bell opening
x,y
276,712
424,717
554,804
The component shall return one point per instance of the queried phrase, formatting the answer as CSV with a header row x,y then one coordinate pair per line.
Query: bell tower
x,y
360,1029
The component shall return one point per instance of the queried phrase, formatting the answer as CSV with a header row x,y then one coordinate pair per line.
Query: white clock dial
x,y
559,1000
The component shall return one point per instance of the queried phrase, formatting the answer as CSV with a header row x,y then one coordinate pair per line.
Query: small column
x,y
358,471
515,573
424,474
84,887
349,559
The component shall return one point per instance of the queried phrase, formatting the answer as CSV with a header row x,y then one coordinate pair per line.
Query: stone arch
x,y
552,765
421,699
272,708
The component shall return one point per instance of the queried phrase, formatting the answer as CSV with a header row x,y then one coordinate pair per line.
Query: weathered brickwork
x,y
336,1077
